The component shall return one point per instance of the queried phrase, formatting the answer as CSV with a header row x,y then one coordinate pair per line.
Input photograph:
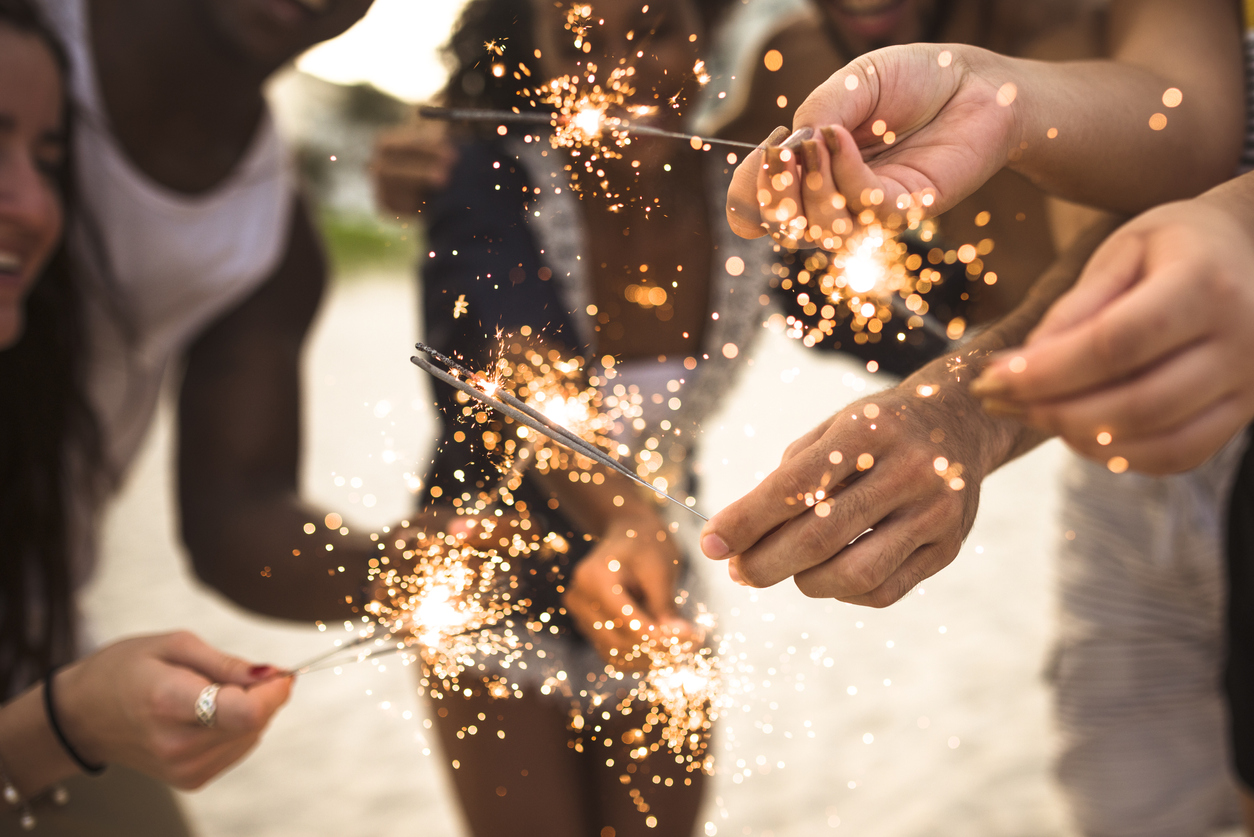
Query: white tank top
x,y
157,265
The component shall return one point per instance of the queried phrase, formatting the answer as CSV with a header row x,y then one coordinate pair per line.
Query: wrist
x,y
32,755
1011,85
69,719
982,442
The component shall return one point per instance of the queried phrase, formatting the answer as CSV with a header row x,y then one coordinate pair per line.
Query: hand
x,y
132,703
623,592
953,124
410,162
870,502
1148,357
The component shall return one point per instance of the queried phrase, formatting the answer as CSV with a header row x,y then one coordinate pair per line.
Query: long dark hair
x,y
46,432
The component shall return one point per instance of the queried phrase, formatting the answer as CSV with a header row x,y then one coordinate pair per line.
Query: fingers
x,y
827,217
777,499
410,162
247,712
925,562
744,213
1112,269
1185,447
189,651
1140,327
779,195
605,610
1151,404
853,178
824,530
803,442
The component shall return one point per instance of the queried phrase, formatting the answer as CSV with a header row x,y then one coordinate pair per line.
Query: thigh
x,y
641,791
512,765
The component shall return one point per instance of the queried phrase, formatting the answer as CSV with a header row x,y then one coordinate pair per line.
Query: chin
x,y
879,22
11,324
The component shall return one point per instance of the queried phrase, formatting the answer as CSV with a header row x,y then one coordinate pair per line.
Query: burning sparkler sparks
x,y
683,688
489,390
452,601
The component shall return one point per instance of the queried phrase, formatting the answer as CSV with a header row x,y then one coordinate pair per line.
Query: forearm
x,y
275,555
1103,113
32,756
1111,128
1001,439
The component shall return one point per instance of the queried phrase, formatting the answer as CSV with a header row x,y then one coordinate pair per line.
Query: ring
x,y
207,704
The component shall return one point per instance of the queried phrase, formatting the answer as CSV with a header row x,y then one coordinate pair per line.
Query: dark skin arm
x,y
877,465
239,453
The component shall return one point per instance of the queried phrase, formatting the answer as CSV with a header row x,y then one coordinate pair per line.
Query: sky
x,y
394,47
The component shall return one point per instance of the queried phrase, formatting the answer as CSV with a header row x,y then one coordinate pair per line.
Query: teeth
x,y
9,262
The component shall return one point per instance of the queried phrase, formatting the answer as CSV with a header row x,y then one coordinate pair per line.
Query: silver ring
x,y
207,705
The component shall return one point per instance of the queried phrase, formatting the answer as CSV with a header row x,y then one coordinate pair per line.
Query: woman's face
x,y
661,39
32,152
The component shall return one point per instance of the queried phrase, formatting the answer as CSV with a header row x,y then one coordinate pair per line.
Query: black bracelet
x,y
84,765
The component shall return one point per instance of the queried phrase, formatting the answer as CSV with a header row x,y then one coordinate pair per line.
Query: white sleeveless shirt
x,y
157,266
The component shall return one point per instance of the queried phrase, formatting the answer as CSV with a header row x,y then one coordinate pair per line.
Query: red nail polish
x,y
261,671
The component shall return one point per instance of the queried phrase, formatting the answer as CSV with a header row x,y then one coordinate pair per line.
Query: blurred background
x,y
930,717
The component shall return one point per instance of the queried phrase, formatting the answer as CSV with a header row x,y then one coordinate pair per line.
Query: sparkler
x,y
873,276
452,603
589,121
507,404
683,689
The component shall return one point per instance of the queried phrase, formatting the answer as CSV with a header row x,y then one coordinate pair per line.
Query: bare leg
x,y
530,779
633,792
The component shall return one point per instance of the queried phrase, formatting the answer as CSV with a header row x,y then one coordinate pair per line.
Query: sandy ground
x,y
927,718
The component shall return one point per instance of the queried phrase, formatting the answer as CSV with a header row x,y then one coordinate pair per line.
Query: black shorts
x,y
1239,665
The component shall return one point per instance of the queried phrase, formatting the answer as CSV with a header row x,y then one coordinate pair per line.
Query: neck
x,y
182,101
172,54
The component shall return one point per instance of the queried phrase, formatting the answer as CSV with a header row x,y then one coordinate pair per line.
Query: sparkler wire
x,y
551,119
527,416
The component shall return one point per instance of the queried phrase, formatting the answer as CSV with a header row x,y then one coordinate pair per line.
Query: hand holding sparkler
x,y
918,126
410,162
1145,363
905,464
622,594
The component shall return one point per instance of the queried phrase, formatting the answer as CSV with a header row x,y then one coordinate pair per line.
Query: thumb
x,y
744,214
188,650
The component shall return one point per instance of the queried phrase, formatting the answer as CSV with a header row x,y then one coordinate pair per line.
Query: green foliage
x,y
361,242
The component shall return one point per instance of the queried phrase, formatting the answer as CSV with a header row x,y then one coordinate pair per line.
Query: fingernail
x,y
258,672
774,160
810,155
775,136
797,137
1006,409
988,385
733,570
831,141
713,546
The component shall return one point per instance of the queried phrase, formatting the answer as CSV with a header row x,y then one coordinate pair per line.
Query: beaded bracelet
x,y
11,795
84,765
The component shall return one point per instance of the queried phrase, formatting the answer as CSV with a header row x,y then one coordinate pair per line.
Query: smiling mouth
x,y
867,8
